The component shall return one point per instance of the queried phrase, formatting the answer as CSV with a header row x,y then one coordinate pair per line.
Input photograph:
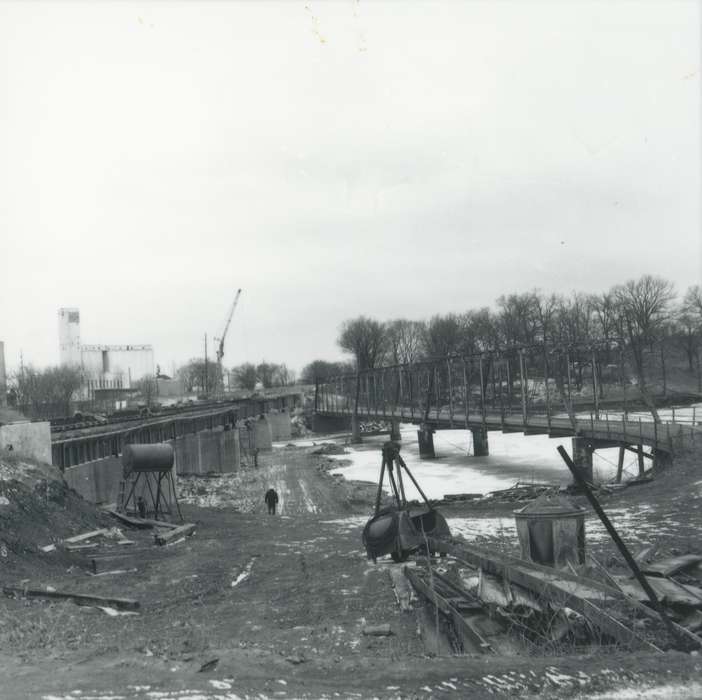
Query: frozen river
x,y
513,457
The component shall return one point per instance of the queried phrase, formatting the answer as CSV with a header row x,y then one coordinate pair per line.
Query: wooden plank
x,y
85,536
403,591
491,591
79,547
464,629
142,523
666,590
78,598
672,565
182,531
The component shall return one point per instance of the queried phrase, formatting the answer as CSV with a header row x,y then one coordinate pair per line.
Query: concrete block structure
x,y
25,439
281,427
263,436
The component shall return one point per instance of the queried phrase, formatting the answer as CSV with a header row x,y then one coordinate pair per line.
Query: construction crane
x,y
220,346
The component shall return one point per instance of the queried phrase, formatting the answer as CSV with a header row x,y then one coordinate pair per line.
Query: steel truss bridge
x,y
576,391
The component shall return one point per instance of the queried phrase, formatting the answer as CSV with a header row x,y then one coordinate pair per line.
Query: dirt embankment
x,y
271,605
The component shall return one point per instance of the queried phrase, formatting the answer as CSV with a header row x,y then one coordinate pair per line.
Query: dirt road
x,y
276,606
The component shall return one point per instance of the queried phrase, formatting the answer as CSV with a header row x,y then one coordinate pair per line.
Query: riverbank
x,y
275,606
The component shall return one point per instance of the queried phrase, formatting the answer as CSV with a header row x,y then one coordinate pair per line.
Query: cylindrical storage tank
x,y
551,531
147,458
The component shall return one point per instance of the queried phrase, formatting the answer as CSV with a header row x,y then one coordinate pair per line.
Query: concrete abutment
x,y
480,442
583,449
425,437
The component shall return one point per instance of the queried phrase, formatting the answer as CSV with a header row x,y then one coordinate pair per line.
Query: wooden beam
x,y
463,627
141,523
78,598
85,536
182,531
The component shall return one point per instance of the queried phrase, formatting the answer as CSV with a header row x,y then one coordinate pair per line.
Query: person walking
x,y
271,498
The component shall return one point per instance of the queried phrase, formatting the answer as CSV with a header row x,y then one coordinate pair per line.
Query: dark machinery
x,y
393,530
148,480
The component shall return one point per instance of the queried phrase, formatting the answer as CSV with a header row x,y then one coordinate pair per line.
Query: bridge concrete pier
x,y
355,430
661,460
395,431
425,437
480,442
583,449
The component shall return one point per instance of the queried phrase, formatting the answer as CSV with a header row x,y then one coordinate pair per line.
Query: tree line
x,y
644,317
203,376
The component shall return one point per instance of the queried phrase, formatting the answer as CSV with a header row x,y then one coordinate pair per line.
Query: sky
x,y
393,159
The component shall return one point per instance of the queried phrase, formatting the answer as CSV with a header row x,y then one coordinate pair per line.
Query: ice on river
x,y
513,457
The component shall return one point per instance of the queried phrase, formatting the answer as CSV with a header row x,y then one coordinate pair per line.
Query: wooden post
x,y
617,540
450,390
620,463
640,456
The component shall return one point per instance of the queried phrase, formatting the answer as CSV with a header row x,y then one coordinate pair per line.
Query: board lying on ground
x,y
78,598
142,523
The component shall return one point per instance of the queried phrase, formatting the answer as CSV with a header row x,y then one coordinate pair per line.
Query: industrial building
x,y
106,367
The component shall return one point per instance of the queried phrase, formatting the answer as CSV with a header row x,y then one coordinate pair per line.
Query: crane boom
x,y
220,348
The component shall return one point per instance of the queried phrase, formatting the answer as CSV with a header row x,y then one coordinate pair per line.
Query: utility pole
x,y
204,381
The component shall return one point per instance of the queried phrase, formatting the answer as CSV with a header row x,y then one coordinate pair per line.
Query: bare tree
x,y
321,370
245,375
48,391
148,388
404,340
443,335
644,306
688,329
198,375
364,338
283,375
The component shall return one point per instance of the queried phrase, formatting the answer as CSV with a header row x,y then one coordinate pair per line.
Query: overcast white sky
x,y
333,159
